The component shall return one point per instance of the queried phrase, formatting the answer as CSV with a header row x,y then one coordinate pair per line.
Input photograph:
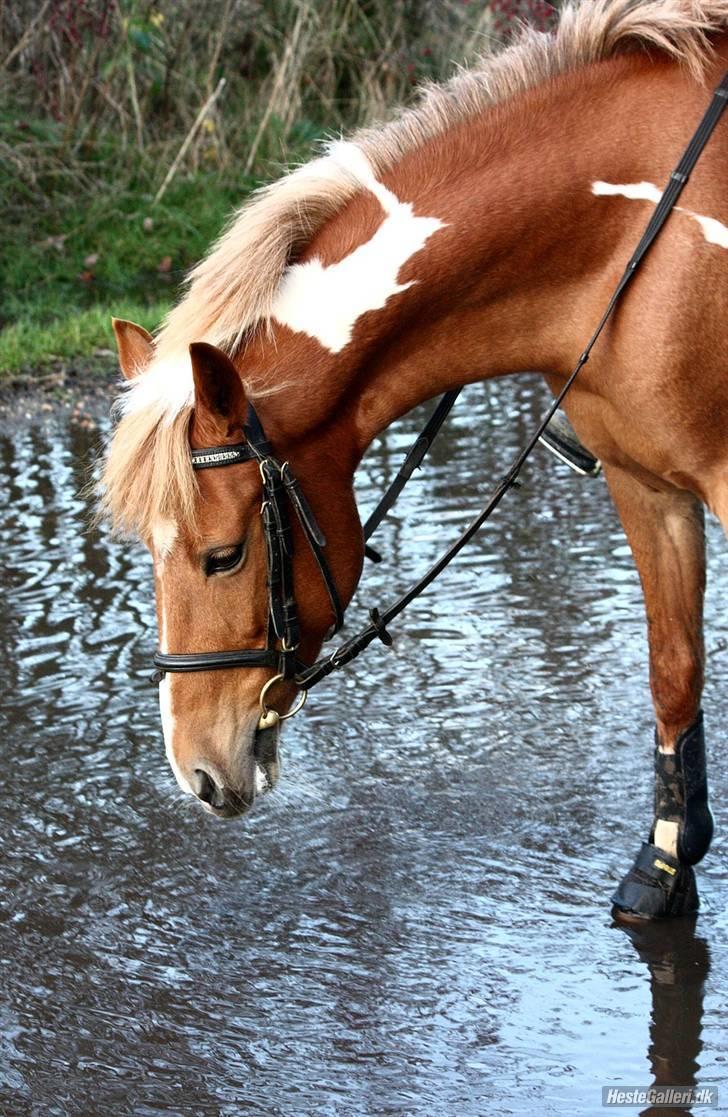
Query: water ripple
x,y
416,922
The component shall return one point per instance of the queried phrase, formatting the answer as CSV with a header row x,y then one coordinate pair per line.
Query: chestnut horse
x,y
478,234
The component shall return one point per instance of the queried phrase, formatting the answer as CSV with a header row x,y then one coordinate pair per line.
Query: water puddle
x,y
416,921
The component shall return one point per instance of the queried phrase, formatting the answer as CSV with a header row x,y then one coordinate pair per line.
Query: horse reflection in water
x,y
480,233
678,961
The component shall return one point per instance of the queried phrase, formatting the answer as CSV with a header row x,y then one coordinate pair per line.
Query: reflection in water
x,y
678,961
416,920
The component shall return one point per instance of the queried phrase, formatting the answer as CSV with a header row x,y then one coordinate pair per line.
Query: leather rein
x,y
282,492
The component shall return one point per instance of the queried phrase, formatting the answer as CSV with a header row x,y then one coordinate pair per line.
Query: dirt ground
x,y
83,390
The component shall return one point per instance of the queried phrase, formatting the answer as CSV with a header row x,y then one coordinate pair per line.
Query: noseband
x,y
281,489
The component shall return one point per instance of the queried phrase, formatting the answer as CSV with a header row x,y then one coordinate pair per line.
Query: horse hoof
x,y
657,886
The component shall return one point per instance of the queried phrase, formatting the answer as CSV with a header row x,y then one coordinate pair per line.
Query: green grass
x,y
27,345
69,264
97,99
82,240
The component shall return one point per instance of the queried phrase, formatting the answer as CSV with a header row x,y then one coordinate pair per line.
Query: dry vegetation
x,y
130,127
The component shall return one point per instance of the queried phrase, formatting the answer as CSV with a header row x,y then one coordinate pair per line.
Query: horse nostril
x,y
207,790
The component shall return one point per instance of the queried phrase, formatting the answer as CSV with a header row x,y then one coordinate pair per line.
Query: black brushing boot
x,y
658,884
681,793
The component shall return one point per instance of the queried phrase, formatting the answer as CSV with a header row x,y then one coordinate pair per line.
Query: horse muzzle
x,y
227,795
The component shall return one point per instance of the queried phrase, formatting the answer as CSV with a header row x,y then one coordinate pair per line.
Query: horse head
x,y
212,572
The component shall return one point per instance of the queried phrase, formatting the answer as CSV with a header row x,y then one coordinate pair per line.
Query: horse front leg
x,y
667,536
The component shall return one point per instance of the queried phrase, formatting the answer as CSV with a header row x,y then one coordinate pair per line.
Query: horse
x,y
477,234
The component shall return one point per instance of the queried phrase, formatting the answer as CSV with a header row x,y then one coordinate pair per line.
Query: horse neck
x,y
516,276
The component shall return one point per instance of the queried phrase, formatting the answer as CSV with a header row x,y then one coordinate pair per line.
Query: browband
x,y
215,456
279,487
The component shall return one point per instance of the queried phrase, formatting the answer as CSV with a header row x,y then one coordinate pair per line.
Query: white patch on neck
x,y
326,302
638,191
353,160
715,232
323,302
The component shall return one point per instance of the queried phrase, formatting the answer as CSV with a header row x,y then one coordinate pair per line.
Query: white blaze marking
x,y
168,727
164,534
165,687
355,163
326,302
715,232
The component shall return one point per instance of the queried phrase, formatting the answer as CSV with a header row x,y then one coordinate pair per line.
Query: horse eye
x,y
224,559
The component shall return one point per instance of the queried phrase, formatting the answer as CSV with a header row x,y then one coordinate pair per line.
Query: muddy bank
x,y
79,391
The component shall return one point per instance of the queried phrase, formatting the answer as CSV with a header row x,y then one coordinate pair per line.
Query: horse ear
x,y
219,393
135,346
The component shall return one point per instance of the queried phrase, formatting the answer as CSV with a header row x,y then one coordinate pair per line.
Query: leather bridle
x,y
281,489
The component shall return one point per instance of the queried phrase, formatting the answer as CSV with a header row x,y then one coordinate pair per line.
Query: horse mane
x,y
230,293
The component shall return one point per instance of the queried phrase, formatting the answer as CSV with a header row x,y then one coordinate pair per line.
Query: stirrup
x,y
560,438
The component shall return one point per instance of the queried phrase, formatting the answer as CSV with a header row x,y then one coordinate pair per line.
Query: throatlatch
x,y
659,884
